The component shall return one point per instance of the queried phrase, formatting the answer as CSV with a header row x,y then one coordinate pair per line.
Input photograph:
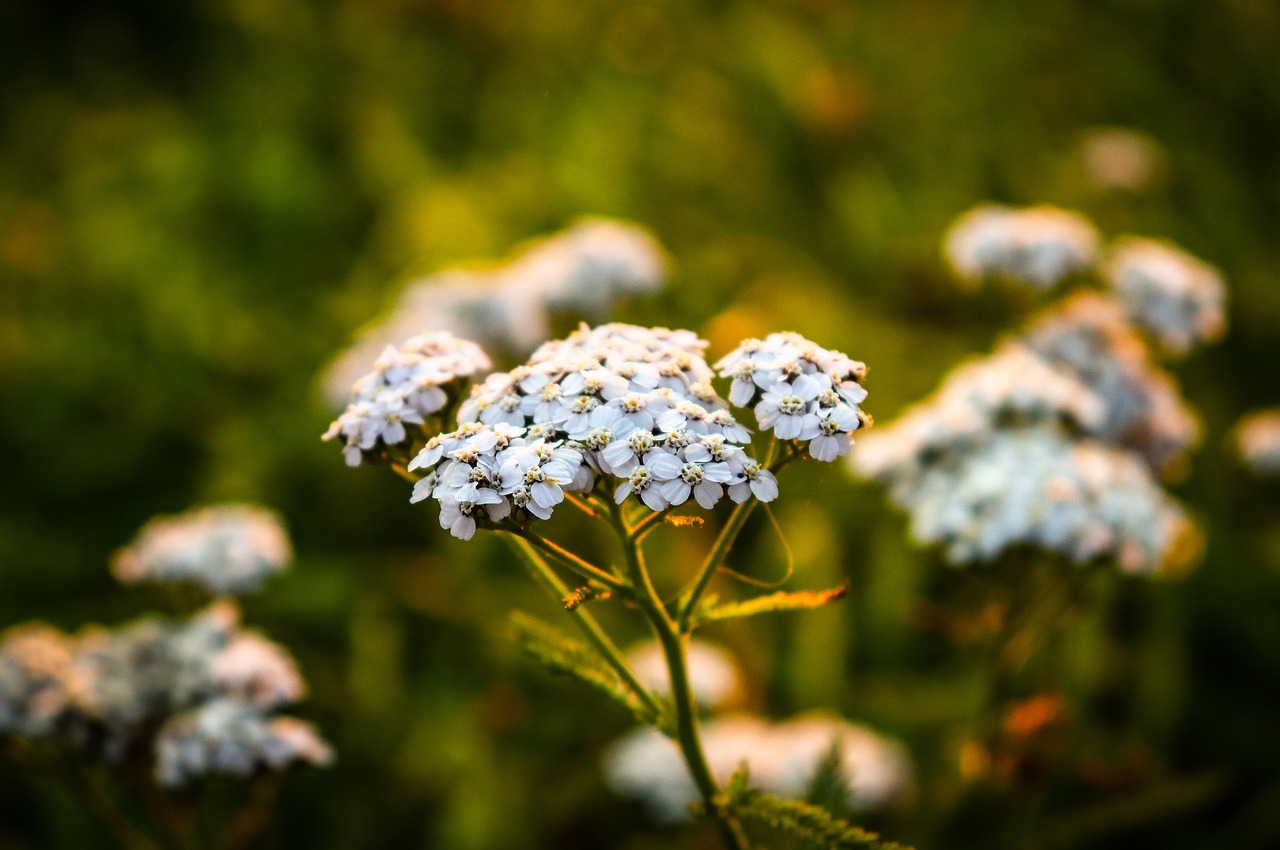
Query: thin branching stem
x,y
728,534
649,523
674,648
581,566
546,577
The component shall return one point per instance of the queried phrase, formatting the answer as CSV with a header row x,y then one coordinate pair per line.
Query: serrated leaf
x,y
796,600
801,821
562,654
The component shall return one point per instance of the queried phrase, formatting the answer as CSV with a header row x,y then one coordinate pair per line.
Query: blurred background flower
x,y
202,204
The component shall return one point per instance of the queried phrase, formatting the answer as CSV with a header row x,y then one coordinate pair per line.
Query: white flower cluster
x,y
1042,444
226,549
35,667
1088,335
713,672
104,691
1040,246
1258,440
493,472
1012,387
1178,298
230,736
807,393
407,384
783,759
1031,487
619,400
582,270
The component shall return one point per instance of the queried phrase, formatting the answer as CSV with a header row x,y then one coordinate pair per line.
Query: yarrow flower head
x,y
226,549
105,691
483,472
35,674
635,404
230,736
1011,388
783,759
408,384
1039,246
1178,298
1033,487
806,393
1258,441
1087,334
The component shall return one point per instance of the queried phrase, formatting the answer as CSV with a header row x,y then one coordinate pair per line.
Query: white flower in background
x,y
226,549
1178,298
35,671
408,383
877,769
783,759
1088,335
228,736
257,670
1039,246
1033,487
1258,440
1010,388
713,672
583,270
807,393
104,691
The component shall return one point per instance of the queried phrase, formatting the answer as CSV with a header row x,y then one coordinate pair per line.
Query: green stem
x,y
649,523
714,559
102,809
584,568
674,648
543,575
728,534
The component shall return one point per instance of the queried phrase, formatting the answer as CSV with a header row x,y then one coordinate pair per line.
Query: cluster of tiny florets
x,y
1040,246
806,393
226,549
105,691
1033,488
1177,298
494,472
1087,335
1052,442
232,737
618,400
408,384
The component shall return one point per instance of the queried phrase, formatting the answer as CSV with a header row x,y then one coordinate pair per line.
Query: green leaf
x,y
802,821
562,654
798,600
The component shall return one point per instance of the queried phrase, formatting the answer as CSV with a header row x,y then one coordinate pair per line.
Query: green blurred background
x,y
200,202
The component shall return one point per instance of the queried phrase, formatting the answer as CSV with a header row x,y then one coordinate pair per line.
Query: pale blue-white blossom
x,y
408,383
807,393
225,548
1038,246
1179,299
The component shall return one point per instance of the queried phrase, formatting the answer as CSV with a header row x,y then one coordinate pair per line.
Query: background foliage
x,y
199,202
